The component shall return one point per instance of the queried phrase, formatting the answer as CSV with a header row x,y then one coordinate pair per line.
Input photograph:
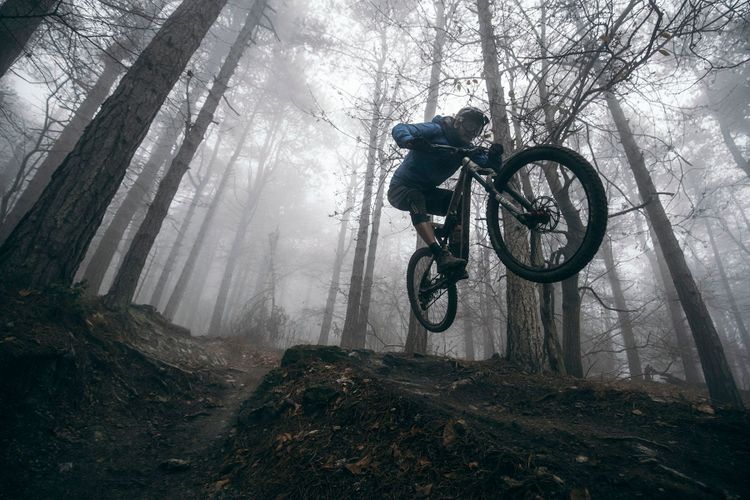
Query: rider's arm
x,y
406,133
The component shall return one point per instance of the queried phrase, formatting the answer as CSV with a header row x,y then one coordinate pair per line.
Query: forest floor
x,y
95,404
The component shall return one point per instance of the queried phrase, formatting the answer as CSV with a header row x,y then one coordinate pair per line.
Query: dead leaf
x,y
358,467
637,412
449,434
221,484
706,408
473,465
423,462
582,459
26,292
423,491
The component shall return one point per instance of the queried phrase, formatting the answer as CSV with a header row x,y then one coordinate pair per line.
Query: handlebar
x,y
452,149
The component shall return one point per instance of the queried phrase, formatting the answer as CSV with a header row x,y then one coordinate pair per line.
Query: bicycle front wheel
x,y
433,299
555,214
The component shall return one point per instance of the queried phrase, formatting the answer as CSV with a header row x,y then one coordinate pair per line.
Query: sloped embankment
x,y
96,404
332,424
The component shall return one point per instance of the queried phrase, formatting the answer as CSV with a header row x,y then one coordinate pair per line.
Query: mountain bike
x,y
546,217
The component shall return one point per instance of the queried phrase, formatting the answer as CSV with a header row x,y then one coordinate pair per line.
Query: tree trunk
x,y
551,343
338,261
416,336
684,345
623,315
187,269
19,19
525,338
348,336
728,290
123,287
485,304
66,141
721,385
174,251
729,141
659,266
136,197
49,243
372,249
468,323
253,195
433,90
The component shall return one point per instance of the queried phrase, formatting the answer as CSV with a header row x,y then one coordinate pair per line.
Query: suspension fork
x,y
500,197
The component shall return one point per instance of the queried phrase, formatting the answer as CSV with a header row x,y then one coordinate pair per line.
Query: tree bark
x,y
136,197
174,251
721,385
468,323
525,338
19,19
123,287
49,243
551,343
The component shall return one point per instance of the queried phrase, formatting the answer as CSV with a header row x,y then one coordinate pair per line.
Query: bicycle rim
x,y
434,305
561,230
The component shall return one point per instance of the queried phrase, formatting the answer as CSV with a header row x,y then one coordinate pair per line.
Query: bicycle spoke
x,y
550,229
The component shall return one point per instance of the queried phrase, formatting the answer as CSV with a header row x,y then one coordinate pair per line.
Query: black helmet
x,y
472,119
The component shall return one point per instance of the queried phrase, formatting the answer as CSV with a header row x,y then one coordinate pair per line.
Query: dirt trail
x,y
101,405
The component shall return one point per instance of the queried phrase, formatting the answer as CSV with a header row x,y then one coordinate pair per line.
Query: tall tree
x,y
623,314
112,68
525,337
176,246
19,19
349,338
49,243
134,200
416,337
121,292
721,384
186,274
256,183
338,261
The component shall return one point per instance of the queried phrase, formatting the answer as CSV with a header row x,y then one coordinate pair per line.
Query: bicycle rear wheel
x,y
559,214
433,299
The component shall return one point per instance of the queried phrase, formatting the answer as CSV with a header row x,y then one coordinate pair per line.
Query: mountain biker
x,y
414,184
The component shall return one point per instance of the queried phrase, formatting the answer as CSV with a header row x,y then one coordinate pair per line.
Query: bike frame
x,y
461,200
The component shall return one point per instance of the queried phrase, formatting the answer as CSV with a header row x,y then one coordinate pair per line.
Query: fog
x,y
279,177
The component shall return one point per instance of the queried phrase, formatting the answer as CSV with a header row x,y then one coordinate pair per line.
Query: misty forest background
x,y
226,162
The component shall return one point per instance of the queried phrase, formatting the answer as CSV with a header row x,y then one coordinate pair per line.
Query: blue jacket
x,y
425,170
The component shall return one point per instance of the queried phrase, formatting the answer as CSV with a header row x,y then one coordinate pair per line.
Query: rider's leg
x,y
414,200
426,231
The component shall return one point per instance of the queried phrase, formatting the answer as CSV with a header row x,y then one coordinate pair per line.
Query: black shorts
x,y
420,202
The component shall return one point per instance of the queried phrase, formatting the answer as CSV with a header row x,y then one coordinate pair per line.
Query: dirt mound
x,y
333,424
95,404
